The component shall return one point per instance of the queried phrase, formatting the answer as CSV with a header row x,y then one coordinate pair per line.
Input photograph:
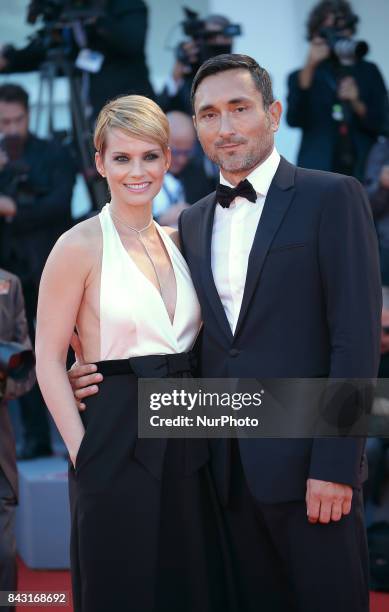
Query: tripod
x,y
79,108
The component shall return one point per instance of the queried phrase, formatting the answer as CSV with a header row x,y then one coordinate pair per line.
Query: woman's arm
x,y
60,295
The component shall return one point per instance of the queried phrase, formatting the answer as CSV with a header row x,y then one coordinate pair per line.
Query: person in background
x,y
187,180
117,37
338,99
36,185
13,328
176,92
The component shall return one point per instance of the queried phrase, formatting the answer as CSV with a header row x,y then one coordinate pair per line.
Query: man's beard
x,y
245,161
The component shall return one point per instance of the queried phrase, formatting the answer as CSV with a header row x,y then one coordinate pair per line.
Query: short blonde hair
x,y
137,116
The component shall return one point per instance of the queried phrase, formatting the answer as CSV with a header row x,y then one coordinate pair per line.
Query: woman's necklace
x,y
140,238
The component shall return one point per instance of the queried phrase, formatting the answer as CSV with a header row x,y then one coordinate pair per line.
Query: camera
x,y
196,29
347,50
16,363
64,11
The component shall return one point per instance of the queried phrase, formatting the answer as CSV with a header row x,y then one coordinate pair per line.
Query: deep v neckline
x,y
143,276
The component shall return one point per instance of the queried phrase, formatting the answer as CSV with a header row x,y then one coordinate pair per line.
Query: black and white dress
x,y
147,535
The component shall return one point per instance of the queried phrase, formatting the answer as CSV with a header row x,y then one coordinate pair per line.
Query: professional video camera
x,y
197,30
347,50
64,11
16,363
60,42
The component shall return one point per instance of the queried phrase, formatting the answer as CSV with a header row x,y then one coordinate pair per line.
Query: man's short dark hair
x,y
14,93
320,12
235,61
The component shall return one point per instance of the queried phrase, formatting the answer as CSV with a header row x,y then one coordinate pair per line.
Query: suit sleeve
x,y
376,120
16,388
298,110
348,258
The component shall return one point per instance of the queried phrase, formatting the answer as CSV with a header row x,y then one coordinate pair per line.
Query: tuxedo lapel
x,y
277,202
206,269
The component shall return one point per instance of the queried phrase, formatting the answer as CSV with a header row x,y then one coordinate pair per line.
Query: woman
x,y
145,529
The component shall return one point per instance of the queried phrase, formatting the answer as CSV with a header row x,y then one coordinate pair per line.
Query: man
x,y
175,95
36,184
13,328
338,100
117,38
300,298
187,181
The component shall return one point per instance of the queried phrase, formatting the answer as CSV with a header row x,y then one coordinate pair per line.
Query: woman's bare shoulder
x,y
85,236
173,235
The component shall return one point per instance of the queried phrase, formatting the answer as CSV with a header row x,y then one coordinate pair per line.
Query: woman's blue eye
x,y
151,156
121,158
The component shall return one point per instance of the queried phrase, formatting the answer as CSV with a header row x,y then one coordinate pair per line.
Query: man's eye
x,y
209,116
240,109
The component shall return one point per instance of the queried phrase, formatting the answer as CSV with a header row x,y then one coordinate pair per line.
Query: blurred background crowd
x,y
61,60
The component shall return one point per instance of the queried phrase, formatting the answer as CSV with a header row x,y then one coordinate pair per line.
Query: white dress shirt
x,y
233,236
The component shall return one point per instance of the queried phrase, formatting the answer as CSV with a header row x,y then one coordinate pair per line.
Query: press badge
x,y
89,60
5,286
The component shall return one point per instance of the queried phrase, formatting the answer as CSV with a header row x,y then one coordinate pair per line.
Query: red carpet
x,y
43,580
39,580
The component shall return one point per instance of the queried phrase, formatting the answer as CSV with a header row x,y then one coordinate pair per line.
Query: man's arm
x,y
16,388
349,266
376,118
23,60
300,83
377,178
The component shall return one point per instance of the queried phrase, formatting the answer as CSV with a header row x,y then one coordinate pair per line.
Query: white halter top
x,y
133,317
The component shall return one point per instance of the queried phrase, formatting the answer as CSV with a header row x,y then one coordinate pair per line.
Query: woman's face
x,y
133,168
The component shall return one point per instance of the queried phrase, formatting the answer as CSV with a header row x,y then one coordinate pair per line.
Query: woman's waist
x,y
168,365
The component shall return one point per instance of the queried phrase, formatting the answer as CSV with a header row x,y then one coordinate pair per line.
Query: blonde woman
x,y
145,533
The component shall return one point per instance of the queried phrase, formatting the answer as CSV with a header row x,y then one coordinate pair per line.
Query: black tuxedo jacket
x,y
311,308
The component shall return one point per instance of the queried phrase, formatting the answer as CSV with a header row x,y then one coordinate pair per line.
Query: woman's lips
x,y
137,187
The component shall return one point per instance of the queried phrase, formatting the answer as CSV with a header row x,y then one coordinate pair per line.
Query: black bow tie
x,y
244,189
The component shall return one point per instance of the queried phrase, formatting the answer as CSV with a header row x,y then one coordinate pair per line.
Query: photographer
x,y
338,99
36,184
116,35
377,187
208,37
186,181
13,329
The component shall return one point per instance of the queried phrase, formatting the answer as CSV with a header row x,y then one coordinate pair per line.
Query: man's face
x,y
235,130
217,38
181,145
13,119
339,22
